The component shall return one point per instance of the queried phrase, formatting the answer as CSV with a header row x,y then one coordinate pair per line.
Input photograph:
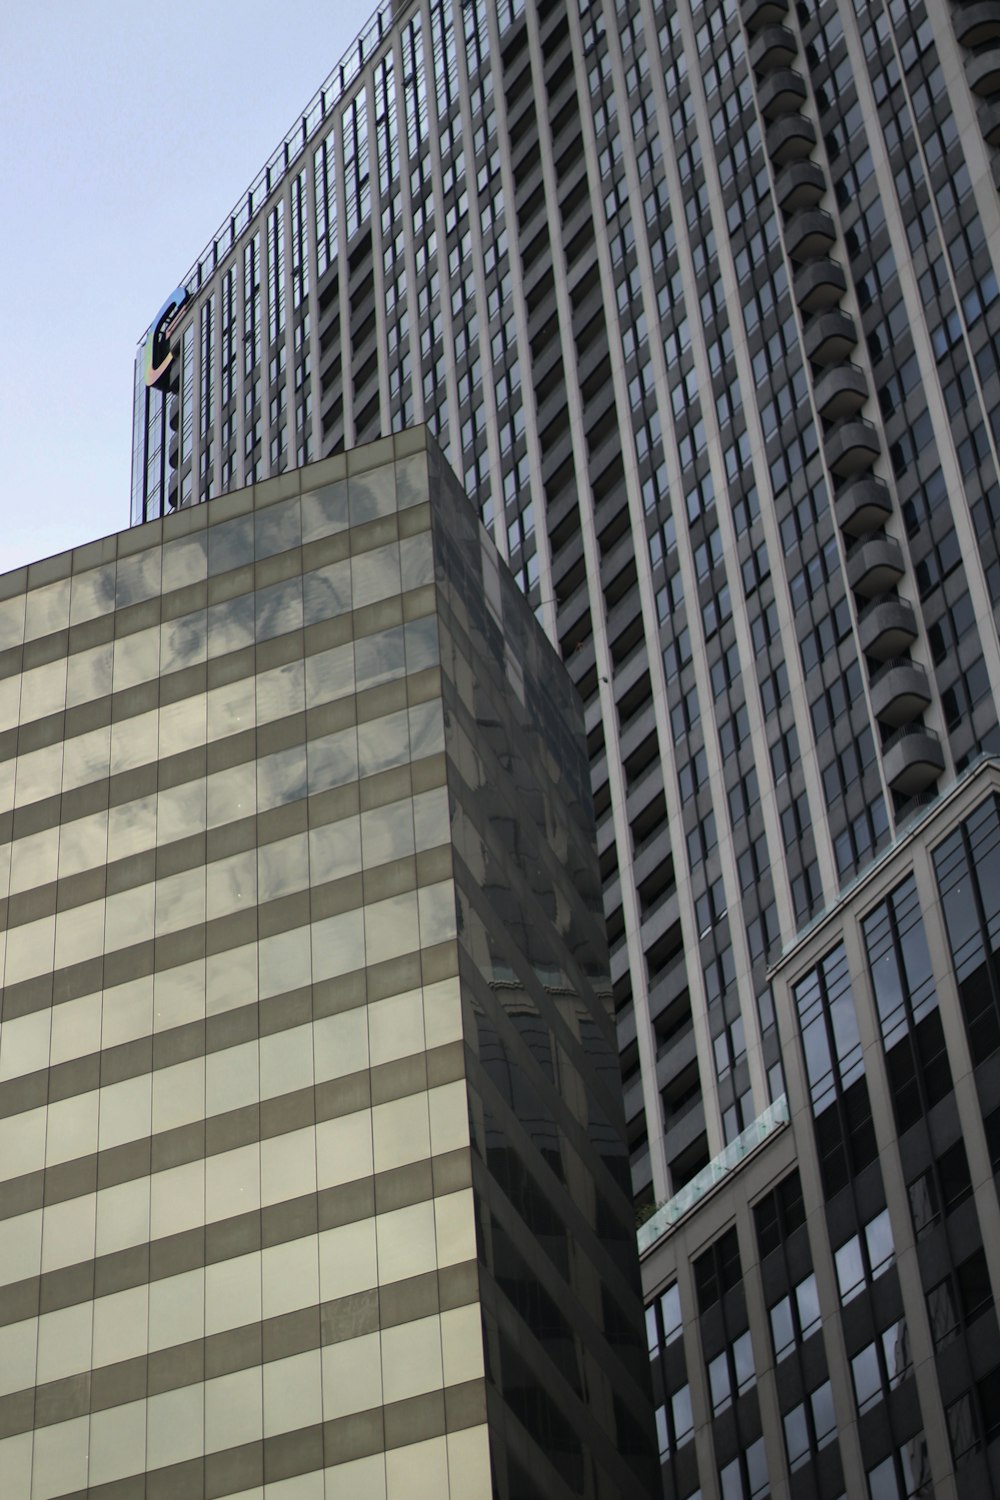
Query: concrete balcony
x,y
800,184
989,122
983,73
900,691
810,233
977,25
760,13
887,626
773,47
781,93
840,392
852,447
862,506
875,564
912,759
790,139
819,284
829,337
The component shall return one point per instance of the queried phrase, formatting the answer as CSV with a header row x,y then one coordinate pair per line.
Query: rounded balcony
x,y
875,564
819,284
912,759
790,139
852,447
983,73
829,337
840,392
989,122
900,691
773,47
810,233
978,24
887,626
781,93
800,184
862,506
760,13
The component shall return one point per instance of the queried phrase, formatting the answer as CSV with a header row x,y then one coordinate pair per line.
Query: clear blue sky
x,y
129,130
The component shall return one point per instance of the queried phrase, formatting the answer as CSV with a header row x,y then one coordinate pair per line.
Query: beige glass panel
x,y
122,1216
175,1428
183,726
231,1078
177,1199
362,1479
180,901
134,742
383,743
333,760
63,1341
387,833
183,642
8,770
87,758
18,1344
128,917
462,1344
375,575
416,558
469,1468
232,1183
286,1061
12,621
281,777
400,1132
231,884
20,1247
372,494
179,995
448,1106
138,577
283,867
233,1410
438,917
68,1232
137,659
281,691
289,1277
177,1309
43,689
455,1228
347,1259
352,1376
185,561
10,700
278,609
126,1111
396,1027
72,1127
406,1242
391,927
22,1143
326,591
77,1029
230,625
380,658
344,1149
59,1460
330,674
231,708
426,729
418,1472
92,593
179,1095
132,827
24,1044
232,794
37,774
283,963
288,1166
293,1393
431,819
89,676
117,1442
79,934
338,945
340,1044
83,844
46,609
120,1325
231,979
324,511
15,1463
230,544
335,850
411,1359
127,1011
232,1293
277,528
5,852
181,811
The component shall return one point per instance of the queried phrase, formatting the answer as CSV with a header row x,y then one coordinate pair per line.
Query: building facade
x,y
313,1171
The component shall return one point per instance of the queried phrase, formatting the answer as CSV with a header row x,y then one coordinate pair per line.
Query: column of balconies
x,y
887,625
977,29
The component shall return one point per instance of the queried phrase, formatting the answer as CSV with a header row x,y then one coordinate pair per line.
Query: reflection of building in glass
x,y
312,1165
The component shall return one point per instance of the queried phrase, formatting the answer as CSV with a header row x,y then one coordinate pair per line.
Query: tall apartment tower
x,y
313,1171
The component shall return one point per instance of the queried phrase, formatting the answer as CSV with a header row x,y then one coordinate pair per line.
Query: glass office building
x,y
313,1173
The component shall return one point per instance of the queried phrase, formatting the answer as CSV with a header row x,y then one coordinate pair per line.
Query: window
x,y
865,1256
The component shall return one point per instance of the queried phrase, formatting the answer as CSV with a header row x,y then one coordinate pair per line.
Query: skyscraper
x,y
701,300
313,1175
